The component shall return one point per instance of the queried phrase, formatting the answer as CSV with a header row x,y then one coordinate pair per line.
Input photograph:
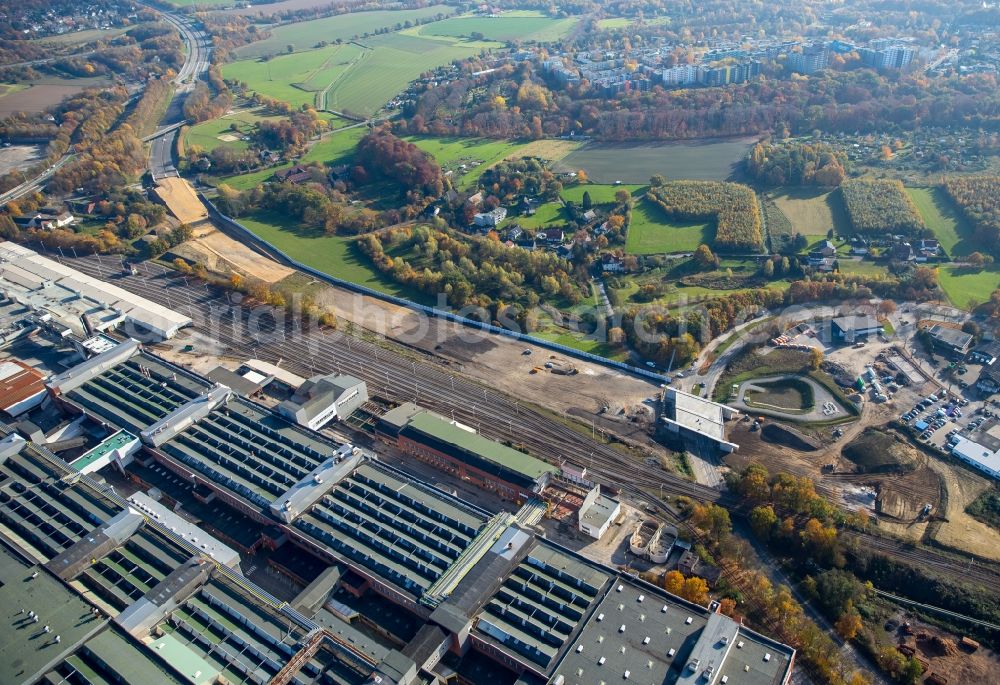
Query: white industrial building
x,y
598,512
74,303
696,418
322,399
978,457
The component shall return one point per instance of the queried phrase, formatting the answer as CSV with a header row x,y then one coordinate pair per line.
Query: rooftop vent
x,y
688,620
642,597
671,652
645,640
739,645
600,617
621,629
767,657
664,609
600,662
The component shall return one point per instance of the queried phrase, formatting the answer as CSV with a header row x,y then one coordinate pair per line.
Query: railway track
x,y
402,377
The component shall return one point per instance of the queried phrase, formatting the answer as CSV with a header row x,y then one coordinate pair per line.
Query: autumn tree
x,y
704,258
849,623
763,520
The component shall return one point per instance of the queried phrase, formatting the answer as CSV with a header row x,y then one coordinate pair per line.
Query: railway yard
x,y
401,374
369,538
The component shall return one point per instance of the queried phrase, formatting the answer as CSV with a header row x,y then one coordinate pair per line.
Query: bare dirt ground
x,y
36,98
180,198
499,362
961,531
953,662
220,253
552,150
19,157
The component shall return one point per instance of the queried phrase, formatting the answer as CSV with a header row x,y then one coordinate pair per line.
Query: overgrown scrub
x,y
732,206
880,206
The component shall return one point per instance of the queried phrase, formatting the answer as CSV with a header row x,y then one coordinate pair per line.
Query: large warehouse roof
x,y
450,434
75,300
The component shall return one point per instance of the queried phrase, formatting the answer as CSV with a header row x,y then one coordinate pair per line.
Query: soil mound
x,y
789,437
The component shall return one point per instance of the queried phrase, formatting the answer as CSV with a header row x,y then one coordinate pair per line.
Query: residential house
x,y
902,252
989,380
514,233
551,236
476,200
927,249
490,219
528,206
589,215
826,265
612,263
296,175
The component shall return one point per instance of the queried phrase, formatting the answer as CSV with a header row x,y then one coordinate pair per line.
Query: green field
x,y
206,134
652,233
942,217
475,154
334,255
300,77
348,77
334,149
706,160
599,194
521,26
306,34
813,212
965,287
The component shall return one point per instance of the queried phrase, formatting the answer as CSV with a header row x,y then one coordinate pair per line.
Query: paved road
x,y
197,59
35,184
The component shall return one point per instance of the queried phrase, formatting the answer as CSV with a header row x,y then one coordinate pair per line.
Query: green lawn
x,y
964,287
475,154
306,34
600,194
521,26
206,134
813,211
652,233
942,217
849,266
335,148
334,255
548,213
578,342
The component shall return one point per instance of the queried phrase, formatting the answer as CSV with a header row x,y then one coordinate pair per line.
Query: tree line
x,y
472,271
733,208
849,102
880,207
979,199
796,164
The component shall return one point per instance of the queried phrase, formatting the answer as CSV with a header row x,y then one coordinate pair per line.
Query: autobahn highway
x,y
197,59
403,375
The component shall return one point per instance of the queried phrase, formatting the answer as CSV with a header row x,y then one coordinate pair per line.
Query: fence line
x,y
279,255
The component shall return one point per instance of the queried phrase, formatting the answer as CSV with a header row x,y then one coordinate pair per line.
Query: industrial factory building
x,y
400,583
694,418
460,450
322,399
70,302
